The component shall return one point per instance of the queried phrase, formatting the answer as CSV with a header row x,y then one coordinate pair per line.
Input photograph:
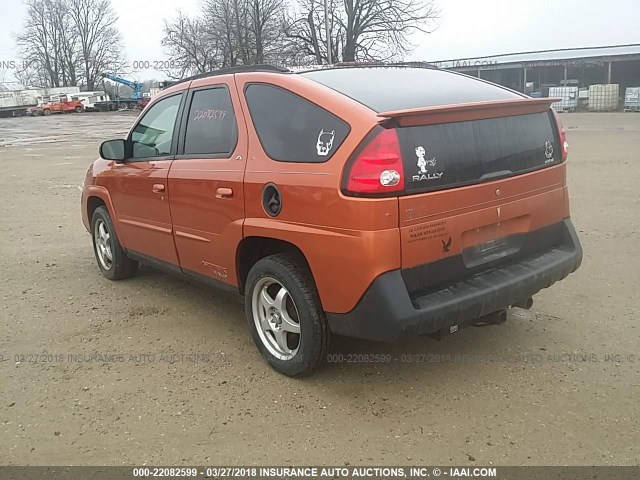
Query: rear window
x,y
292,129
460,153
211,124
396,88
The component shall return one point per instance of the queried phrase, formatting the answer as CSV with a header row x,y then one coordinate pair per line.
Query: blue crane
x,y
135,86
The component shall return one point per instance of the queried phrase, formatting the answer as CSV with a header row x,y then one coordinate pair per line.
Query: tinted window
x,y
152,136
211,125
292,129
385,89
459,153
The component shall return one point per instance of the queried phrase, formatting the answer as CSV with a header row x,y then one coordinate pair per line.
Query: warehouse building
x,y
535,72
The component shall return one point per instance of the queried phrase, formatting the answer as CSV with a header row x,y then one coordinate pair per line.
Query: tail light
x,y
562,133
377,168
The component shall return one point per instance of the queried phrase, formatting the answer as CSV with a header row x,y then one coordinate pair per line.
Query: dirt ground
x,y
155,370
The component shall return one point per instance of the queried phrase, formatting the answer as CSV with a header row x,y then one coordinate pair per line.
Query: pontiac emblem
x,y
498,212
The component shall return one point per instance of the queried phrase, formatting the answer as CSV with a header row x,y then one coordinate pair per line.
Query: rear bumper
x,y
386,310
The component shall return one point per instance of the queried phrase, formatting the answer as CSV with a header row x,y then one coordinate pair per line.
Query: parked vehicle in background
x,y
89,99
34,111
367,202
16,99
15,103
62,104
137,100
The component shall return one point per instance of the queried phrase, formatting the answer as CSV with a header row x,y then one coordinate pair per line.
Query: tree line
x,y
72,42
68,43
228,33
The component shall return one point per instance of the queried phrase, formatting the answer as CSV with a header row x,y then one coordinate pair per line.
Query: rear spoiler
x,y
462,112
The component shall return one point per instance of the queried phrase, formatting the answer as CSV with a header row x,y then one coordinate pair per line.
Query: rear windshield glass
x,y
394,88
461,153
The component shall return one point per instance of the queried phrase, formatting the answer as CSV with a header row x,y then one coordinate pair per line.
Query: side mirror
x,y
113,150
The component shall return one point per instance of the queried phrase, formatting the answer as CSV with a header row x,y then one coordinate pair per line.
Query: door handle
x,y
223,192
158,188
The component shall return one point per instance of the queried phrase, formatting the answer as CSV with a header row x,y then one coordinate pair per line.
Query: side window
x,y
292,129
211,124
152,136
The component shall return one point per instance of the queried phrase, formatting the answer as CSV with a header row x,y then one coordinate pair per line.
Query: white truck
x,y
16,103
89,99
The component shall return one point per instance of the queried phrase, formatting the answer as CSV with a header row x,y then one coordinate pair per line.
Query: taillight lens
x,y
378,167
564,146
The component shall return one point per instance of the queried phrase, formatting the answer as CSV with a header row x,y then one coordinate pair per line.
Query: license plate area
x,y
491,250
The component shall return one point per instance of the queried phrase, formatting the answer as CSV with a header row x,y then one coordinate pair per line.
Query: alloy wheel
x,y
103,242
276,318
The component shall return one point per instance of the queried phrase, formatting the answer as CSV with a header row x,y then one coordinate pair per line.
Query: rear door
x,y
206,180
477,184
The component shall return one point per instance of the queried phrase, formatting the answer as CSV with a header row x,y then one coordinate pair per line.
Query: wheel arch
x,y
97,196
252,249
93,202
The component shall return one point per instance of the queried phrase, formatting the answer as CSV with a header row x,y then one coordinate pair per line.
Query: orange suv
x,y
363,201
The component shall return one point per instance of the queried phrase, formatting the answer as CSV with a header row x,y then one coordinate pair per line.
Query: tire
x,y
305,351
112,261
46,112
79,110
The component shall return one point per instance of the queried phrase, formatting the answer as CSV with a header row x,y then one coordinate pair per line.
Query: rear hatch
x,y
477,168
481,183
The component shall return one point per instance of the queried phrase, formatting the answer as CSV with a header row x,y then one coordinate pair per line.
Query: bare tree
x,y
226,22
65,42
28,75
190,46
265,28
228,33
305,27
38,42
98,38
361,29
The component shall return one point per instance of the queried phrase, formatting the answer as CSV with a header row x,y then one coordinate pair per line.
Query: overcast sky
x,y
467,27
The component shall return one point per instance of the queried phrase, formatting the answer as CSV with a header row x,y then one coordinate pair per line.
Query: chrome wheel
x,y
276,318
103,243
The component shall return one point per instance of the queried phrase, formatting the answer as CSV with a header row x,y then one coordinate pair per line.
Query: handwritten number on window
x,y
210,114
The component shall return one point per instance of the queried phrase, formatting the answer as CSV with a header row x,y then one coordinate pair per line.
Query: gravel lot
x,y
160,371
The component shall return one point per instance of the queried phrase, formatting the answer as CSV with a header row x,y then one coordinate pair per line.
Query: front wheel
x,y
112,260
285,316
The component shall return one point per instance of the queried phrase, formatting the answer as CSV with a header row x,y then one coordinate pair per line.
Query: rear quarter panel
x,y
347,241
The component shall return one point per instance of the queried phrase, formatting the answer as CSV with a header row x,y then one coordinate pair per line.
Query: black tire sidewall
x,y
309,310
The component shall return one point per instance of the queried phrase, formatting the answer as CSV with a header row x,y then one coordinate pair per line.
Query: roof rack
x,y
229,70
372,64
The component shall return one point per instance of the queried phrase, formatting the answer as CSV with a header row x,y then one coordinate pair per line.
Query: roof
x,y
383,88
543,55
10,87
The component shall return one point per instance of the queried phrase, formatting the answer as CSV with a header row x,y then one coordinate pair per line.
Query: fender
x,y
103,194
